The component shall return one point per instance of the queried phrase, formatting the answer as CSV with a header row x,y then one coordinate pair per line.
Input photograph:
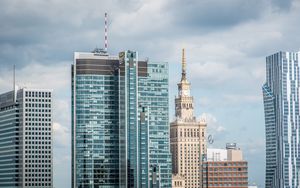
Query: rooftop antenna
x,y
14,82
105,33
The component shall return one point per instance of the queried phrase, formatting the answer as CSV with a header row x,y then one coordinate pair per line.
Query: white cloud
x,y
213,126
62,135
226,59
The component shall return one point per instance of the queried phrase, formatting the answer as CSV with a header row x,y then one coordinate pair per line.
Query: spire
x,y
183,74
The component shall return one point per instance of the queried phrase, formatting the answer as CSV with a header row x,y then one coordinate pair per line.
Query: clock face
x,y
185,92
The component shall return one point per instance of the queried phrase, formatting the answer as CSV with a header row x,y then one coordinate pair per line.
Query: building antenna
x,y
105,33
14,82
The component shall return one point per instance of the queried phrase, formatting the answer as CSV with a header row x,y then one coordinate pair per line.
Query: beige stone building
x,y
178,181
187,135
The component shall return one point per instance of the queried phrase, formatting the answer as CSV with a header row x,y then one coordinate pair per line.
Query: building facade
x,y
26,138
178,181
282,126
120,134
225,168
187,135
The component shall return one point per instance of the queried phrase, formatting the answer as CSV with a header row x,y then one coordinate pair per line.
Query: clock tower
x,y
184,103
187,136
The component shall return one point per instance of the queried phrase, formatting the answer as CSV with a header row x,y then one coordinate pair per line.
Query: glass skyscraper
x,y
120,134
26,139
282,120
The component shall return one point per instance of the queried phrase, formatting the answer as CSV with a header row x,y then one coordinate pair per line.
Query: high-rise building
x,y
225,168
120,132
282,126
187,135
26,138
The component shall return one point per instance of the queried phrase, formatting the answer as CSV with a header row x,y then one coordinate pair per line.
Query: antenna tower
x,y
105,33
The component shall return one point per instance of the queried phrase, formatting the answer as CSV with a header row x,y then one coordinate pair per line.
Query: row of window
x,y
37,115
225,164
37,94
37,100
39,184
38,105
38,161
226,184
37,147
37,119
229,174
228,179
37,110
39,156
37,142
186,133
36,124
37,166
39,170
38,138
38,152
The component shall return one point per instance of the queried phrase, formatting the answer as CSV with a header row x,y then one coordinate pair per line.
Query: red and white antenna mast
x,y
105,33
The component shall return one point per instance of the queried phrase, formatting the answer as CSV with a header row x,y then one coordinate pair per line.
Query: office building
x,y
187,135
225,168
26,138
120,132
282,126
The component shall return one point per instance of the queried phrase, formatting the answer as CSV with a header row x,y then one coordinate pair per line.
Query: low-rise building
x,y
225,168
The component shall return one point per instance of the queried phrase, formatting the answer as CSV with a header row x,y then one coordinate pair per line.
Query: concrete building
x,y
178,181
120,115
225,168
187,135
26,138
282,125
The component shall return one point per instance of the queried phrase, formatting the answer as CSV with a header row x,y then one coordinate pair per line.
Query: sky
x,y
226,44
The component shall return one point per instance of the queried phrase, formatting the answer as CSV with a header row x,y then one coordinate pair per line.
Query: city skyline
x,y
41,44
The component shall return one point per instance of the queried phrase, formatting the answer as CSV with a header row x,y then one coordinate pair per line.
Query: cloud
x,y
226,43
214,14
213,126
61,134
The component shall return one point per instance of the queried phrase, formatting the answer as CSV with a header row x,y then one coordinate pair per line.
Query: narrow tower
x,y
187,135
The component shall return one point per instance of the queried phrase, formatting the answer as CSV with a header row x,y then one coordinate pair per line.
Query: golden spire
x,y
183,74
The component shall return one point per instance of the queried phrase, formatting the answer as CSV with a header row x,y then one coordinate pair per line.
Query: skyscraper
x,y
187,135
281,106
120,134
26,138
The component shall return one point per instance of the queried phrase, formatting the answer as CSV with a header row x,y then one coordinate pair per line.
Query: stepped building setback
x,y
187,136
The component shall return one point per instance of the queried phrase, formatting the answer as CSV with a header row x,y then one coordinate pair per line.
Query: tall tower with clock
x,y
187,135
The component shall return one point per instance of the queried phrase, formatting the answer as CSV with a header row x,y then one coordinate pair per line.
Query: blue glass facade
x,y
282,120
120,122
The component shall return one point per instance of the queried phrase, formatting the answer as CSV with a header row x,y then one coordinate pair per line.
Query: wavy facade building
x,y
282,120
